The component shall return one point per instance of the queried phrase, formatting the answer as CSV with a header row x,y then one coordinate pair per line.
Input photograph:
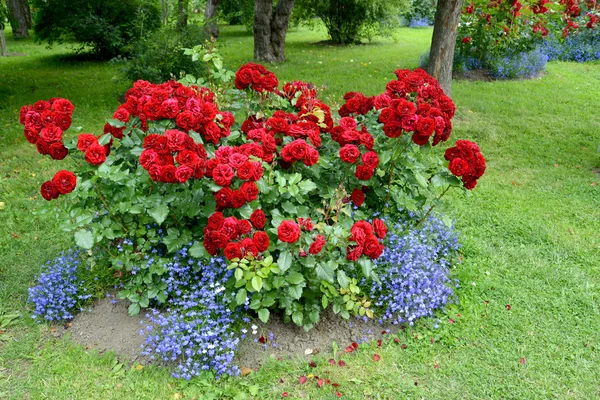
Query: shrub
x,y
352,21
108,27
289,197
420,13
160,56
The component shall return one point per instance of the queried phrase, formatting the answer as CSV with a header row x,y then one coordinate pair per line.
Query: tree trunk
x,y
164,8
210,18
445,29
270,29
182,14
2,43
19,16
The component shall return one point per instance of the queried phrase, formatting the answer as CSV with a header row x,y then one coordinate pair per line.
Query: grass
x,y
530,235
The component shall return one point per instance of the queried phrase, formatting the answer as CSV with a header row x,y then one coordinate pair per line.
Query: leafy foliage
x,y
354,20
108,27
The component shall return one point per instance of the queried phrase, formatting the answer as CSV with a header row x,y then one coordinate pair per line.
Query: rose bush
x,y
294,200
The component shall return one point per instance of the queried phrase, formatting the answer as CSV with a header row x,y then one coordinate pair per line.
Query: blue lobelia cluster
x,y
579,47
197,329
414,271
59,289
525,65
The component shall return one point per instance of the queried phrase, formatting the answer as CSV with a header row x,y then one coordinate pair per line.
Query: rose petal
x,y
331,361
312,364
302,380
320,382
341,363
376,357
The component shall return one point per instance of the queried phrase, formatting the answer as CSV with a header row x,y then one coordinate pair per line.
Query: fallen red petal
x,y
335,384
404,345
312,364
522,361
376,357
396,340
320,382
450,320
262,339
436,365
341,363
338,394
508,307
354,345
302,380
284,394
349,349
379,343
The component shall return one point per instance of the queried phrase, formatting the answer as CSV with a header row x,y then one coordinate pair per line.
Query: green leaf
x,y
284,262
137,209
134,309
197,250
297,317
159,213
257,283
324,272
307,186
294,178
245,211
367,267
420,179
289,208
295,291
144,301
116,123
324,301
241,296
342,279
84,239
263,314
293,189
239,274
295,278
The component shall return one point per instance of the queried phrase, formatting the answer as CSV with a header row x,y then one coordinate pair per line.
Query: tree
x,y
443,42
182,14
349,21
3,15
210,18
270,29
109,27
19,15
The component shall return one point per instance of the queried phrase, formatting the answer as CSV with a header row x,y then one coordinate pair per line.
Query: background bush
x,y
420,13
109,27
159,57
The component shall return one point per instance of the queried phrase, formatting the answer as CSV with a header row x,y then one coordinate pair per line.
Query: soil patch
x,y
108,327
473,75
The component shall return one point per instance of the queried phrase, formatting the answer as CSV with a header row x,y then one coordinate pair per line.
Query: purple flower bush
x,y
198,329
60,288
414,271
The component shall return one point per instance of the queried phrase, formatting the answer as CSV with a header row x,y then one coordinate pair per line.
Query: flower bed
x,y
280,212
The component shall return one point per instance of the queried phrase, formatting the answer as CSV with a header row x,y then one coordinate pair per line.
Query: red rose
x,y
379,228
155,171
349,153
31,136
405,107
230,228
33,121
147,158
370,159
420,140
151,141
122,114
261,241
48,191
248,247
62,106
348,123
250,191
187,157
246,171
223,197
183,173
169,108
392,130
233,250
458,167
316,246
223,174
95,154
51,134
357,197
48,118
168,174
258,219
64,181
58,151
312,157
237,199
372,247
206,112
288,231
244,227
354,254
215,221
364,172
186,120
85,140
298,148
176,140
41,106
425,126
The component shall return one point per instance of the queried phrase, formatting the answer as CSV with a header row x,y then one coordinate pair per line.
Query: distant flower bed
x,y
580,47
525,65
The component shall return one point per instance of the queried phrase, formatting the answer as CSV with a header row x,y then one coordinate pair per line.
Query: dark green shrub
x,y
349,21
109,27
159,56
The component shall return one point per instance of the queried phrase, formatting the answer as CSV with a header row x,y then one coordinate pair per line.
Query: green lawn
x,y
530,235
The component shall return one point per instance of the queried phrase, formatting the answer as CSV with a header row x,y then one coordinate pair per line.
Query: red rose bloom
x,y
169,108
223,174
258,219
223,197
370,159
288,231
250,191
62,106
357,197
64,181
372,247
58,151
85,140
233,250
215,221
186,120
458,167
364,172
48,191
425,126
122,114
237,199
261,241
349,153
379,228
246,171
183,173
176,140
316,246
354,254
168,174
95,154
52,134
63,121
